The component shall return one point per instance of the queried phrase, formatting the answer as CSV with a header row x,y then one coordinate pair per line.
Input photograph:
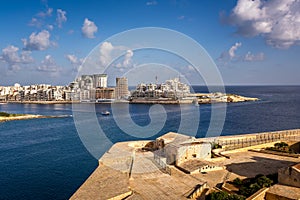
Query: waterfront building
x,y
38,92
91,81
100,80
105,93
172,89
121,91
85,95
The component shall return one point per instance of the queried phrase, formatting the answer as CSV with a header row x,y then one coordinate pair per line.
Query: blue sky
x,y
251,42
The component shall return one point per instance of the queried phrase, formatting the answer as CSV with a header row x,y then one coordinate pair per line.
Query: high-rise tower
x,y
121,88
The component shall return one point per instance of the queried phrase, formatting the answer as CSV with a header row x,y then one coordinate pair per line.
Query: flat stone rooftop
x,y
283,192
125,170
104,183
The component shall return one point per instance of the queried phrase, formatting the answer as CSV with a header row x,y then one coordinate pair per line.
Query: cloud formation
x,y
74,61
10,55
35,22
39,18
254,57
278,21
89,29
47,13
48,65
37,41
232,50
61,17
230,55
128,58
105,53
72,58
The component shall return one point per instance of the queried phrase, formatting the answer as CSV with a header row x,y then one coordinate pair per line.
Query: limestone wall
x,y
198,151
259,195
289,176
241,141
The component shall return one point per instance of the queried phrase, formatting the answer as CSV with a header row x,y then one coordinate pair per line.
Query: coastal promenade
x,y
127,171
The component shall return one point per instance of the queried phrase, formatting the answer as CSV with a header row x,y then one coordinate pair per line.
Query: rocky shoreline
x,y
26,117
200,98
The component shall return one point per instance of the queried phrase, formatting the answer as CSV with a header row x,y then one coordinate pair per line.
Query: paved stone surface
x,y
213,178
125,169
104,183
283,191
249,164
149,182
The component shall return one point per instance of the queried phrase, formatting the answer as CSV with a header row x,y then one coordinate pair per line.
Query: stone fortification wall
x,y
246,140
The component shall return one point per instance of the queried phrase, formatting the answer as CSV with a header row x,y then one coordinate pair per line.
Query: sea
x,y
46,158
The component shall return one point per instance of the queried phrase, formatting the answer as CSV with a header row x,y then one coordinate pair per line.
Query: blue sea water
x,y
45,158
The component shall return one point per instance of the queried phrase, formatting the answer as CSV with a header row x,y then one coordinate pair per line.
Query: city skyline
x,y
251,42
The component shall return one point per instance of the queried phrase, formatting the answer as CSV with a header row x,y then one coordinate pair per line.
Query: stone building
x,y
290,176
178,148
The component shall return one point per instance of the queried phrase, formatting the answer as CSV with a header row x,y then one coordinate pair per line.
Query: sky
x,y
252,42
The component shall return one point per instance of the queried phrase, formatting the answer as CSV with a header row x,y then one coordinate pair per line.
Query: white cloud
x,y
39,18
151,3
50,27
105,53
74,61
277,21
10,55
26,58
89,29
254,57
233,49
230,55
48,65
37,41
47,13
61,17
123,55
72,58
128,58
35,22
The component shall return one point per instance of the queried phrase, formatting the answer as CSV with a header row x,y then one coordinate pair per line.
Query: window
x,y
194,155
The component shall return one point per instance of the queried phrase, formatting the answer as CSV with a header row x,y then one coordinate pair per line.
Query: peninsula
x,y
196,98
94,89
11,117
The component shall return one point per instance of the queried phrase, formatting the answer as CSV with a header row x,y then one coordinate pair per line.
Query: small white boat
x,y
105,113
